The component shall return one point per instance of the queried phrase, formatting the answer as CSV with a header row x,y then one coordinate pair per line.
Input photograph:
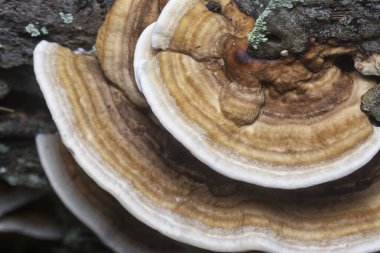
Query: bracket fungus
x,y
95,207
117,39
287,123
308,129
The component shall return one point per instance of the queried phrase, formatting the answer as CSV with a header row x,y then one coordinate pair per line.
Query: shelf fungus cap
x,y
116,41
286,123
164,186
95,207
144,52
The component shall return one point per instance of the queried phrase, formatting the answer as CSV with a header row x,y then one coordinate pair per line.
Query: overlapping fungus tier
x,y
117,39
291,113
96,208
163,185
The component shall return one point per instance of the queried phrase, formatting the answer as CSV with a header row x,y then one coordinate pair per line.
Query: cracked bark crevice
x,y
45,22
344,21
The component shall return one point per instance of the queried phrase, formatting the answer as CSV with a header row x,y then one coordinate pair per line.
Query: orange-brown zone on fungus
x,y
294,88
268,80
273,139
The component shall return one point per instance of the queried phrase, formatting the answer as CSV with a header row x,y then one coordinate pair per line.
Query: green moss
x,y
44,30
4,148
257,36
93,50
67,18
32,30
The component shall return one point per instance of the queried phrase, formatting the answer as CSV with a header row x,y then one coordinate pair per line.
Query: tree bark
x,y
355,21
72,23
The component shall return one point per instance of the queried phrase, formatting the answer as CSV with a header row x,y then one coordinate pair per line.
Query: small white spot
x,y
34,179
44,30
13,180
284,53
3,170
79,50
4,148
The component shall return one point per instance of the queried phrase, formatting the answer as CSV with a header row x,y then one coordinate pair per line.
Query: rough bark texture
x,y
23,115
371,104
20,165
252,7
355,21
72,23
19,78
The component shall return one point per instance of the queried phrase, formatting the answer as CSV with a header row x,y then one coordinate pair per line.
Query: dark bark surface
x,y
19,78
355,21
72,23
20,165
23,115
252,7
371,104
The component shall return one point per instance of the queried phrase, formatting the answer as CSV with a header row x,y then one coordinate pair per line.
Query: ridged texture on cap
x,y
117,39
93,206
272,123
161,184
